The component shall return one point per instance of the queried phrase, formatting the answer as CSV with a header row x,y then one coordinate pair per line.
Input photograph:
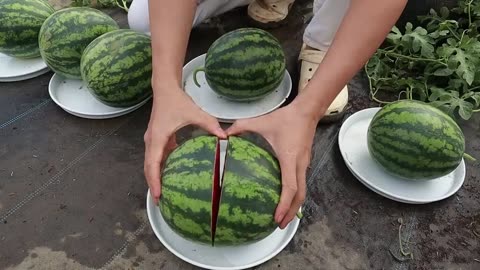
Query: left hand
x,y
290,132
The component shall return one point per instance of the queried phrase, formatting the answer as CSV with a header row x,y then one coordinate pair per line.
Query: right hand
x,y
172,110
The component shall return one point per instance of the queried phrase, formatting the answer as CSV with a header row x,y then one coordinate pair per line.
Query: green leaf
x,y
443,72
444,12
464,62
395,35
419,40
465,109
439,33
440,94
476,98
458,84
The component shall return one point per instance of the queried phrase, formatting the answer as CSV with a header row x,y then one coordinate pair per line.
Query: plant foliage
x,y
436,61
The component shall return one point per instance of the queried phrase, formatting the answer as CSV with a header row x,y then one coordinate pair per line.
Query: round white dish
x,y
73,96
14,69
223,109
352,141
223,258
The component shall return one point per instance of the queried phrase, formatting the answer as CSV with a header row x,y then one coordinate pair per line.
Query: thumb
x,y
210,124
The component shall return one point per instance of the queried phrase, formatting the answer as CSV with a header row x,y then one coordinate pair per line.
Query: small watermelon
x,y
65,34
244,65
117,67
20,22
414,140
229,209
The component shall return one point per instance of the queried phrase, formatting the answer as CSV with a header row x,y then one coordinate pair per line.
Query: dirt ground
x,y
72,190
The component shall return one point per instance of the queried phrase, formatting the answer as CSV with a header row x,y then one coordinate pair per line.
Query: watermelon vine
x,y
434,61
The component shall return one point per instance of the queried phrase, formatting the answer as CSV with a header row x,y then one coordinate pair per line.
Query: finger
x,y
152,167
289,187
171,145
299,196
243,125
209,123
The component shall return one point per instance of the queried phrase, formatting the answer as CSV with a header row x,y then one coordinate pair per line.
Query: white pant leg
x,y
327,16
138,16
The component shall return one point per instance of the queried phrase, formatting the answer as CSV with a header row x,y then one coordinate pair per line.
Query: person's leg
x,y
327,16
318,36
138,16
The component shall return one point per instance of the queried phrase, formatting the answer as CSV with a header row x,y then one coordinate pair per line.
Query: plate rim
x,y
56,78
295,223
220,118
25,75
456,183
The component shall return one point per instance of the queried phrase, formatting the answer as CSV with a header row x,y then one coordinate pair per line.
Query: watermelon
x,y
414,140
204,205
117,67
244,65
65,34
20,22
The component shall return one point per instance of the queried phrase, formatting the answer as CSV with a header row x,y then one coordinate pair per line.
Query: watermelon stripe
x,y
242,38
198,182
106,60
406,162
20,23
413,105
428,141
245,64
263,175
186,225
243,149
247,191
417,118
243,58
197,216
408,146
245,221
442,148
245,91
256,80
228,236
64,36
399,168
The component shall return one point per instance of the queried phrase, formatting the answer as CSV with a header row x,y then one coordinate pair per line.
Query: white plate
x,y
14,69
223,109
73,96
352,141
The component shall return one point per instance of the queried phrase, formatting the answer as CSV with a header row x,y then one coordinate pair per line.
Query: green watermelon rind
x,y
255,54
117,68
66,33
20,23
249,209
250,193
415,141
189,166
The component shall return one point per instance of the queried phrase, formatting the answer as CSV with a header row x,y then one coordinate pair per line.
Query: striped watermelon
x,y
243,65
231,209
20,22
66,33
117,67
415,140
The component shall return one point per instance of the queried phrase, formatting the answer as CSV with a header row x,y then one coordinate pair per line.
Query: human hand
x,y
290,132
172,110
